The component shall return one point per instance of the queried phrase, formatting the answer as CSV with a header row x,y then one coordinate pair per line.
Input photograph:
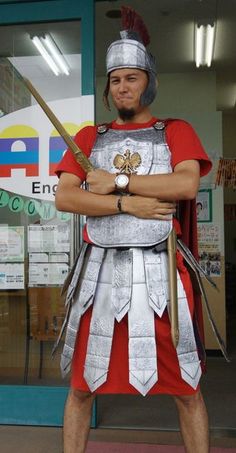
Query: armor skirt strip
x,y
143,344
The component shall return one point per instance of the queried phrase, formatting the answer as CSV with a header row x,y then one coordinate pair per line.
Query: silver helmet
x,y
130,52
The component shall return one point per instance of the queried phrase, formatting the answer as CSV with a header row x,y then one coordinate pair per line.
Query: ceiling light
x,y
210,38
56,54
38,44
204,44
51,53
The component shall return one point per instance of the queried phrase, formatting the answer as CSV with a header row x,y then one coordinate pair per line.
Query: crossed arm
x,y
154,196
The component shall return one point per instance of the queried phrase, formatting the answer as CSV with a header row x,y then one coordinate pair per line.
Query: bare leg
x,y
77,419
193,422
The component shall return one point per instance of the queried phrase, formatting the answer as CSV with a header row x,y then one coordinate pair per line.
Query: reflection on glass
x,y
34,262
35,239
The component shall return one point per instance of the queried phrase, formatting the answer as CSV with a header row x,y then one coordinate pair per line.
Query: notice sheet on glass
x,y
11,276
11,257
48,238
48,247
11,243
47,274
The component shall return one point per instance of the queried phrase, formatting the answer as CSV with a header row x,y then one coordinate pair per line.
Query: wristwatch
x,y
122,182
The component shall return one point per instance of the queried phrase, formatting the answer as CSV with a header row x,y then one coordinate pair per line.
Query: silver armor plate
x,y
137,280
123,229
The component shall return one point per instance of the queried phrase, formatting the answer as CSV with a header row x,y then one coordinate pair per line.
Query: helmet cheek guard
x,y
150,92
106,93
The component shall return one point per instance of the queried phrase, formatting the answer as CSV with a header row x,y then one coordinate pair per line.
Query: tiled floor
x,y
23,439
149,420
159,412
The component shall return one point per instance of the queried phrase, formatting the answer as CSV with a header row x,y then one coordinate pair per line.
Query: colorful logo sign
x,y
19,147
30,148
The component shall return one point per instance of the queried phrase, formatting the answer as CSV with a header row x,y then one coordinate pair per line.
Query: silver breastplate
x,y
144,152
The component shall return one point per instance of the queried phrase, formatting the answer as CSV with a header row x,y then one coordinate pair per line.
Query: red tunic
x,y
184,144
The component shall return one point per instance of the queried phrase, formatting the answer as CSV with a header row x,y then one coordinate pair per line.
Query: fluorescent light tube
x,y
58,57
38,44
199,45
210,38
204,44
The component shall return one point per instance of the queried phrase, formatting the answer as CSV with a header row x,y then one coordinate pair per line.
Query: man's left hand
x,y
101,181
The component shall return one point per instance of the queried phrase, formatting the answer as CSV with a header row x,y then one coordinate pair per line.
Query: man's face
x,y
126,87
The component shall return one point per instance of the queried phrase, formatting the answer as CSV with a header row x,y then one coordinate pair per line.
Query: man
x,y
118,297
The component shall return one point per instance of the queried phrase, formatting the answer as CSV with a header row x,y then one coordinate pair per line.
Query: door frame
x,y
39,405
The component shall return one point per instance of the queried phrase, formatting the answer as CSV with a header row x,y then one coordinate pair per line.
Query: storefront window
x,y
36,241
34,262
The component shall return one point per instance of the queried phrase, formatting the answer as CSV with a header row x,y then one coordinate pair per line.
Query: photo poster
x,y
204,205
209,249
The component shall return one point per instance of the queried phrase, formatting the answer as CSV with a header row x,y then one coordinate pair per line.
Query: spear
x,y
87,166
79,155
171,248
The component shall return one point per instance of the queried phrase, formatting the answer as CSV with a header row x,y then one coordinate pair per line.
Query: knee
x,y
189,401
82,398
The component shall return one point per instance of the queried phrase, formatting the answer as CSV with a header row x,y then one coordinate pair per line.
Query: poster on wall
x,y
11,243
209,249
11,276
204,206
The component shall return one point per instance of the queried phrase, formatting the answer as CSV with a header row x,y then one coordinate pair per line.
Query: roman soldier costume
x,y
118,301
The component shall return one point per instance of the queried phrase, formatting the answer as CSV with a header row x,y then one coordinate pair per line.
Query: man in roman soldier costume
x,y
118,336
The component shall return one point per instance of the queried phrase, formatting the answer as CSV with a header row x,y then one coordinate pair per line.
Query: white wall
x,y
186,92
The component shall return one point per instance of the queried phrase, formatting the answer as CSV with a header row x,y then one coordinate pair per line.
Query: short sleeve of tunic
x,y
85,139
182,140
184,144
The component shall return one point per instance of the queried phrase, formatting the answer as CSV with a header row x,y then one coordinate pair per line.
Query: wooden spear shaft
x,y
87,166
79,155
171,248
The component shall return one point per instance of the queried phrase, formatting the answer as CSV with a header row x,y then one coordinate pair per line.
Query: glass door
x,y
37,243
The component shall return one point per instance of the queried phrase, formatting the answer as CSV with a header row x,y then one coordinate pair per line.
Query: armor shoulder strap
x,y
102,128
162,124
159,125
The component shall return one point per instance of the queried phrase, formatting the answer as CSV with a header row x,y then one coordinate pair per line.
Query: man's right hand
x,y
148,208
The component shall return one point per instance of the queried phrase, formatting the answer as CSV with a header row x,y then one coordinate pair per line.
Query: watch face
x,y
122,181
